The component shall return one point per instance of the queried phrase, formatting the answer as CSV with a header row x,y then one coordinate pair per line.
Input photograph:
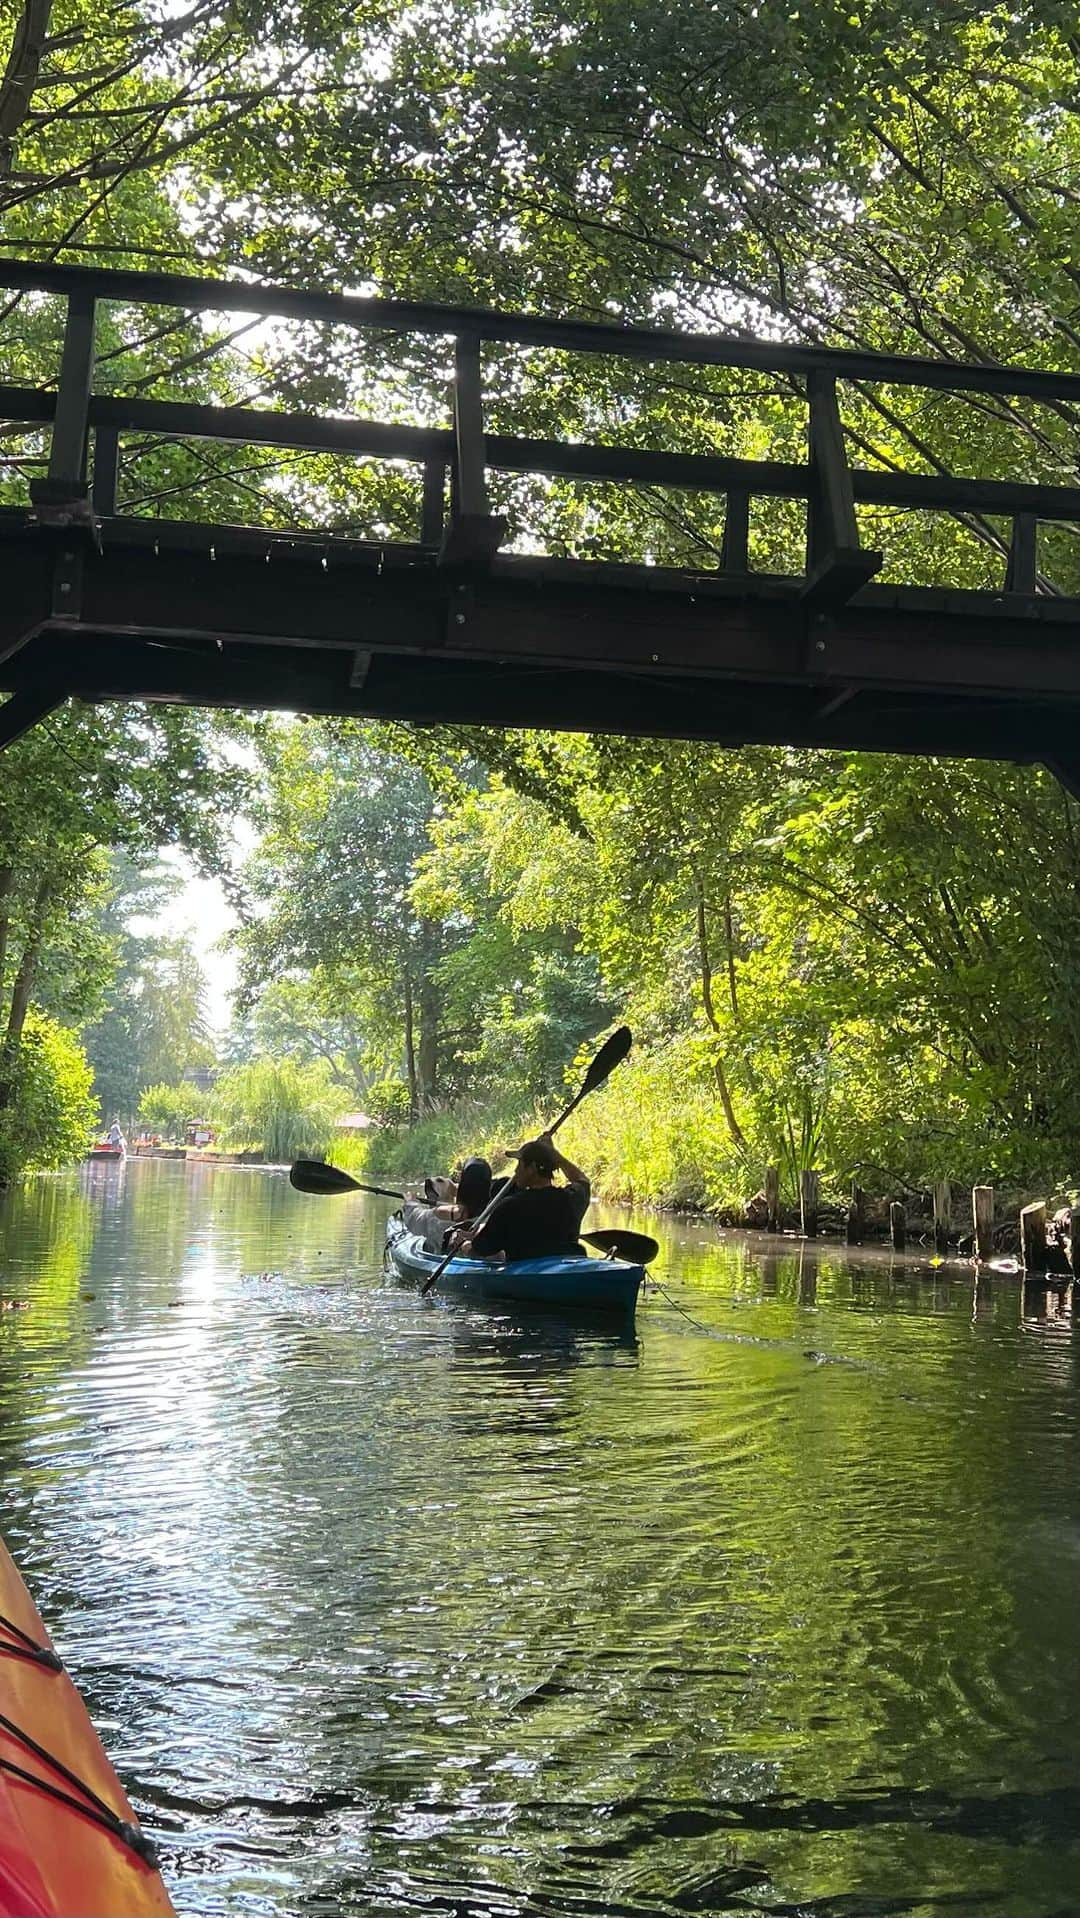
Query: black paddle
x,y
635,1247
611,1054
311,1175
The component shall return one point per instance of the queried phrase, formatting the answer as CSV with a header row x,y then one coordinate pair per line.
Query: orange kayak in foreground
x,y
70,1845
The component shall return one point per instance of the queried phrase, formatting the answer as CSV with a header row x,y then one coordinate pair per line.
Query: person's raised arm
x,y
567,1167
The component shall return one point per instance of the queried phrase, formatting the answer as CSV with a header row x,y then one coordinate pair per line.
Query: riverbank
x,y
653,1137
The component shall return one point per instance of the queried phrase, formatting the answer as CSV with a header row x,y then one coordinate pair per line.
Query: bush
x,y
167,1109
387,1102
276,1106
49,1114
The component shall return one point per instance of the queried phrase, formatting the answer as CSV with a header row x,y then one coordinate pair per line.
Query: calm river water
x,y
391,1607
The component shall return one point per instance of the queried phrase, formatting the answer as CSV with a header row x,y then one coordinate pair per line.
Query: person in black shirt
x,y
432,1222
535,1218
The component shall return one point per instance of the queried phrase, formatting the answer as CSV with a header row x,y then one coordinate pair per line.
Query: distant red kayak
x,y
70,1845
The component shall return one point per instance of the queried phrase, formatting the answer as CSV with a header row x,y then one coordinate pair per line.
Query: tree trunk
x,y
7,887
24,978
729,935
410,1050
722,1087
427,1053
20,993
20,76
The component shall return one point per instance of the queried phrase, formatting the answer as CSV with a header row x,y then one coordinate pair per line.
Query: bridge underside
x,y
231,617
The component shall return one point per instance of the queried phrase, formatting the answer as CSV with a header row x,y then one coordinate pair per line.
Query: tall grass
x,y
650,1135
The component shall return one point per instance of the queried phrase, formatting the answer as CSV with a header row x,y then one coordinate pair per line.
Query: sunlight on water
x,y
386,1606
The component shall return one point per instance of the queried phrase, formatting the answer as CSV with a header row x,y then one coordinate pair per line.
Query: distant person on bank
x,y
535,1218
432,1222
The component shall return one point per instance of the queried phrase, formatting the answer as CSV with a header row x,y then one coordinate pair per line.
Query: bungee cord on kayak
x,y
96,1807
28,1647
97,1811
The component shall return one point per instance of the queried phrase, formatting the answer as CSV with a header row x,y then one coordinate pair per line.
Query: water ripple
x,y
398,1607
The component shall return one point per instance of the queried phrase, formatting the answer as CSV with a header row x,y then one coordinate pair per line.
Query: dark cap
x,y
539,1153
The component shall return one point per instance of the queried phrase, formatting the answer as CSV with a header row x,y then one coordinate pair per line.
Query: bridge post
x,y
63,498
1020,573
106,470
735,545
474,533
836,564
432,512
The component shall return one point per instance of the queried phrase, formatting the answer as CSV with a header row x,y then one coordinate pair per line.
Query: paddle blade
x,y
311,1175
611,1054
635,1247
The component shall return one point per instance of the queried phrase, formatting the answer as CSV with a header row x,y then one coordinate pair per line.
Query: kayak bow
x,y
70,1843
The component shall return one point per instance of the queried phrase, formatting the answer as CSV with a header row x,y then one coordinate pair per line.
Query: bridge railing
x,y
86,426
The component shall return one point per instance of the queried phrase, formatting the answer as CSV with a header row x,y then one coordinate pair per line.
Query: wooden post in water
x,y
897,1225
942,1214
1033,1239
1074,1241
772,1199
855,1216
809,1183
982,1213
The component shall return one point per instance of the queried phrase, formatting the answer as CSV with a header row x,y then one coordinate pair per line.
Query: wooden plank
x,y
809,1190
581,336
1033,1238
982,1212
696,472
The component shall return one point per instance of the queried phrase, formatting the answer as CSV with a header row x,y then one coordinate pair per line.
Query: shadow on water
x,y
388,1606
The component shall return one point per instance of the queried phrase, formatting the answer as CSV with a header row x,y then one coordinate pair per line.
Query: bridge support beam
x,y
23,711
474,534
63,498
836,564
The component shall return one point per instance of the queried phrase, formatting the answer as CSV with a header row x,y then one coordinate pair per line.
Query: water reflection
x,y
388,1606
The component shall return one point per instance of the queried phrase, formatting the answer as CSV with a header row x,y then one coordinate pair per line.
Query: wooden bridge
x,y
101,604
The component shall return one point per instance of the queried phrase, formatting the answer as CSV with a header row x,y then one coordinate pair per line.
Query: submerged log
x,y
856,1217
982,1212
1033,1238
772,1199
809,1187
942,1214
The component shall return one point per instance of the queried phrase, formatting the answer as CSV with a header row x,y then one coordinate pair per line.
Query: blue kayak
x,y
574,1283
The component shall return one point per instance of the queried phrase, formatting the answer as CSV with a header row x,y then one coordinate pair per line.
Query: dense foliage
x,y
49,1113
867,964
83,782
